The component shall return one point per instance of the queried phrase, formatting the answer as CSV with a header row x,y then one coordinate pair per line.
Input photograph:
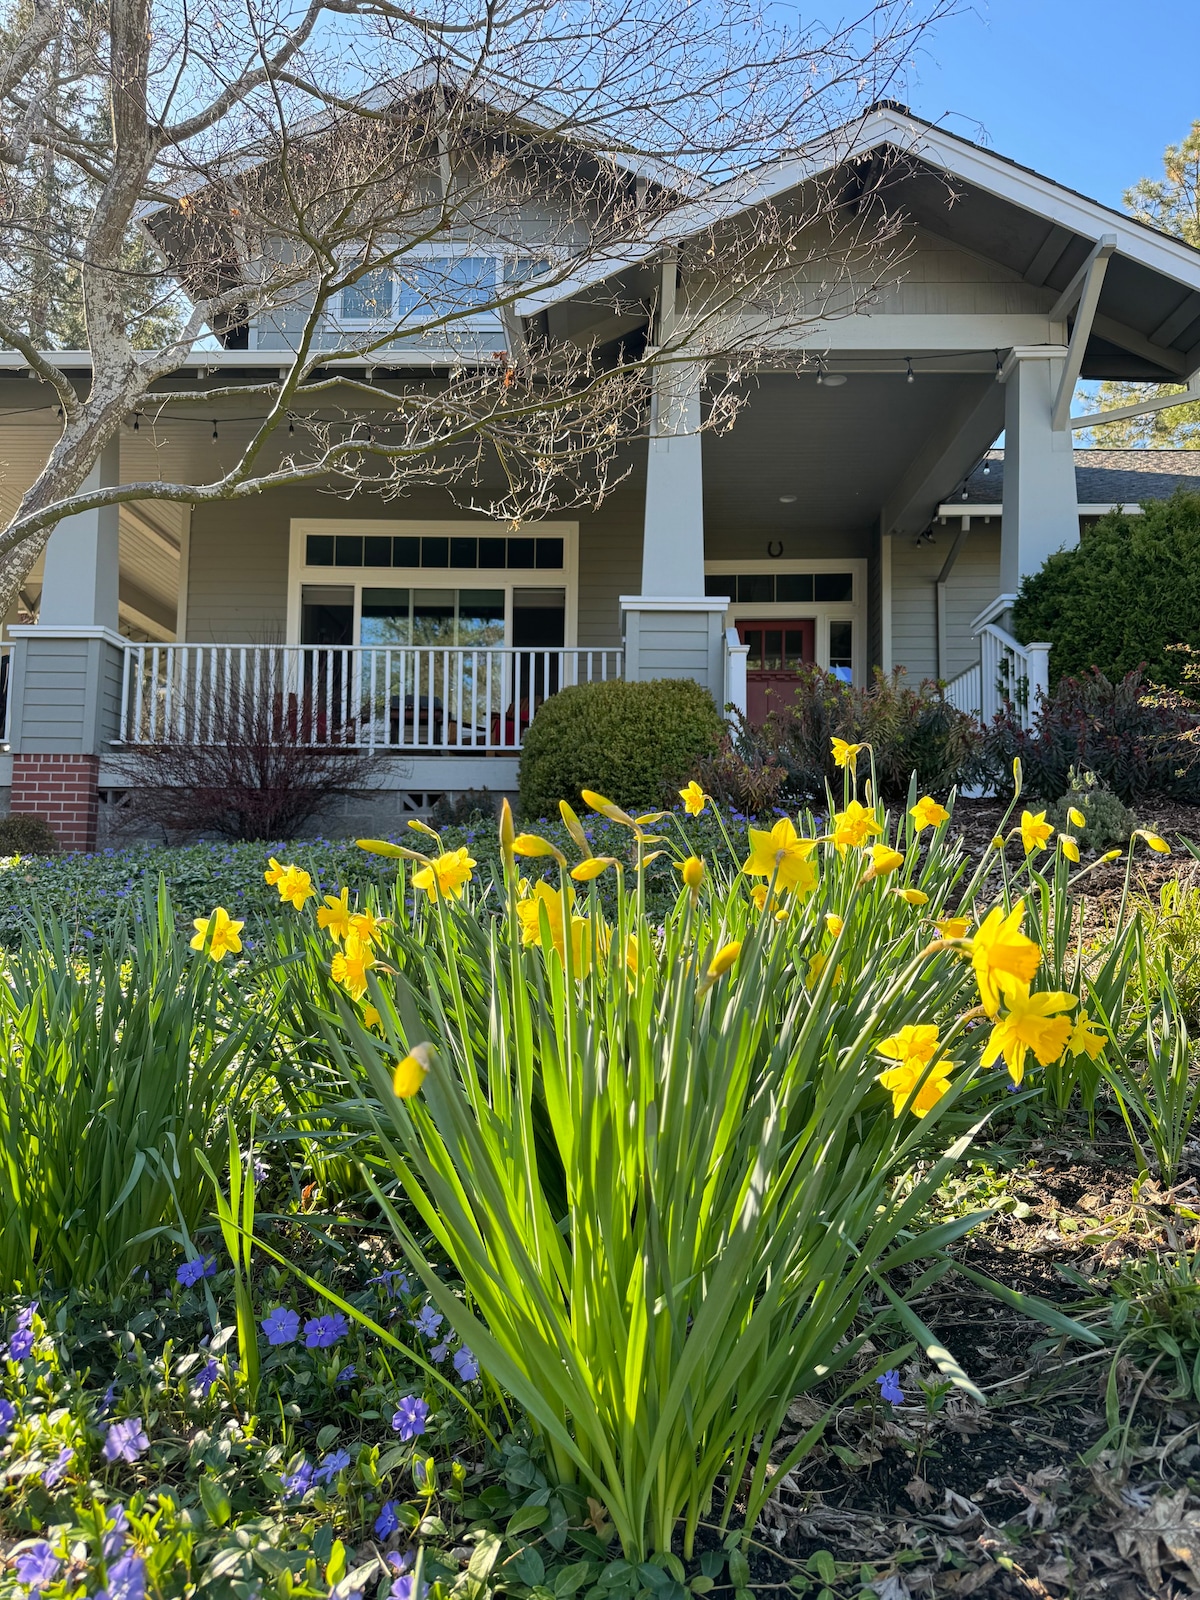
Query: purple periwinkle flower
x,y
281,1326
20,1345
126,1441
8,1415
348,1373
261,1169
387,1521
207,1376
114,1540
57,1469
440,1351
190,1272
466,1365
321,1332
336,1461
108,1397
127,1578
889,1387
37,1565
394,1282
297,1484
402,1587
411,1416
25,1317
427,1322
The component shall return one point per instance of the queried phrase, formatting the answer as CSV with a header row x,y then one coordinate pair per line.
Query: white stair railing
x,y
1010,676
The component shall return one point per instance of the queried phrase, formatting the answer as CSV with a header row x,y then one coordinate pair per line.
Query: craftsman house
x,y
856,515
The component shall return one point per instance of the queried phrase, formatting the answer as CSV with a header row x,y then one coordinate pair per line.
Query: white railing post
x,y
736,653
1037,678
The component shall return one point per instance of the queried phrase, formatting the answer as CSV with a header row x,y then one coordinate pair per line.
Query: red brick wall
x,y
62,789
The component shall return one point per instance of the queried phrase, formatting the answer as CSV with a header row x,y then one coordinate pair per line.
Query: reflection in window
x,y
841,651
385,617
480,618
370,298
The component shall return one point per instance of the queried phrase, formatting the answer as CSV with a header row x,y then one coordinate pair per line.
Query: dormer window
x,y
424,288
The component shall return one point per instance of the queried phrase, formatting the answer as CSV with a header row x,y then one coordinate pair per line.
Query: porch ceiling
x,y
841,451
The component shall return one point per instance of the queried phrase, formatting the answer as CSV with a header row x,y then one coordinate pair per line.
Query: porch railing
x,y
1008,674
374,697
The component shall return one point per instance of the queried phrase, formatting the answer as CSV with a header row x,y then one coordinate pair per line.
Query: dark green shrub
x,y
1137,743
1110,822
23,834
1127,593
909,730
637,743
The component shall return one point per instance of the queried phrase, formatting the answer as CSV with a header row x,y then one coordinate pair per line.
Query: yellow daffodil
x,y
1069,847
917,1042
953,927
884,860
998,841
226,934
724,959
1084,1040
275,872
783,855
294,884
694,799
816,967
692,873
367,926
351,965
592,868
575,828
606,808
411,1073
834,923
529,915
334,915
854,826
915,897
632,954
1035,831
418,826
371,1015
1156,842
927,813
1076,817
903,1079
1111,855
447,875
844,754
532,845
1003,958
1030,1023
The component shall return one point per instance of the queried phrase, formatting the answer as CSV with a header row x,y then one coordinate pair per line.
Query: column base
x,y
64,791
676,637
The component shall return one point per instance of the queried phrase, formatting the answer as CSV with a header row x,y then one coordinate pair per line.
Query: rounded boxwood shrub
x,y
23,834
636,743
1127,593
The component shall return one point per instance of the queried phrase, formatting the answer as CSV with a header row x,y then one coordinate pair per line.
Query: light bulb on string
x,y
214,429
908,364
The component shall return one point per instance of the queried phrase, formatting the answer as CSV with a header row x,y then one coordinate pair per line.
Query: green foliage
x,y
1136,744
1122,597
23,834
112,1078
908,729
634,742
1109,823
1152,1075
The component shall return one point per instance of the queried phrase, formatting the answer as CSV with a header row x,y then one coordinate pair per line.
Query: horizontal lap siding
x,y
55,693
973,583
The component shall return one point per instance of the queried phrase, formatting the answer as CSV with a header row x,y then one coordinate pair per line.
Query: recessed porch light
x,y
834,380
787,499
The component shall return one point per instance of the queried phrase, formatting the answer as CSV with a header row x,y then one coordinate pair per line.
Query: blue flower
x,y
427,1322
126,1441
114,1539
56,1471
207,1376
394,1282
190,1272
348,1373
21,1344
25,1318
336,1461
127,1578
107,1398
8,1415
889,1387
439,1352
37,1565
260,1169
281,1326
298,1483
410,1416
387,1521
466,1365
321,1332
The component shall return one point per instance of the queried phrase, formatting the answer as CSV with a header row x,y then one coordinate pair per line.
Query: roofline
x,y
255,360
1085,508
886,124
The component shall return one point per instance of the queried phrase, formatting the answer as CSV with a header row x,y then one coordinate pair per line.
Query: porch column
x,y
672,629
1041,504
65,690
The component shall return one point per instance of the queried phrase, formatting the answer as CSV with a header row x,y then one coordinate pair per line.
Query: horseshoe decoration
x,y
772,551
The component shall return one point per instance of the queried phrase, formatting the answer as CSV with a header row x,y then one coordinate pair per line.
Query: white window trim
x,y
822,612
486,320
505,578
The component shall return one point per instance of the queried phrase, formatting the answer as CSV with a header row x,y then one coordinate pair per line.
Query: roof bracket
x,y
1084,286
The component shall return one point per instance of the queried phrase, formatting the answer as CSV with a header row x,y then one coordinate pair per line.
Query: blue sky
x,y
1088,92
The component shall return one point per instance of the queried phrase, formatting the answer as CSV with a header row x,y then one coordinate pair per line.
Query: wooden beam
x,y
1144,408
1103,248
1178,320
1050,253
1138,344
1089,299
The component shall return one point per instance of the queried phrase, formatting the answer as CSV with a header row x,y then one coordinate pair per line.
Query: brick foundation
x,y
62,789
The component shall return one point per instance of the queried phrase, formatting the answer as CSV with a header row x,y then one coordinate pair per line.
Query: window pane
x,y
521,552
492,553
406,552
834,586
550,553
756,587
480,617
463,552
319,550
772,650
377,550
715,584
841,650
370,298
385,616
348,551
441,285
435,552
793,648
433,616
794,588
521,270
326,615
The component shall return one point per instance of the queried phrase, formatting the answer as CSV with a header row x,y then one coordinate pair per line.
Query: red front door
x,y
777,650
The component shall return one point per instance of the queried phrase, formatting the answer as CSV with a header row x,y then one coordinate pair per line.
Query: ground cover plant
x,y
601,1208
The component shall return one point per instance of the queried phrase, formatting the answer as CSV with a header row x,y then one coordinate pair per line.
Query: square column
x,y
1041,503
83,557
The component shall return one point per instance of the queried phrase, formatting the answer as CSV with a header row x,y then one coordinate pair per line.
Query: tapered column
x,y
1041,504
83,557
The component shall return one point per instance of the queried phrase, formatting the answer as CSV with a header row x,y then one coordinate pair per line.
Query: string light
x,y
214,427
908,364
291,425
136,416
